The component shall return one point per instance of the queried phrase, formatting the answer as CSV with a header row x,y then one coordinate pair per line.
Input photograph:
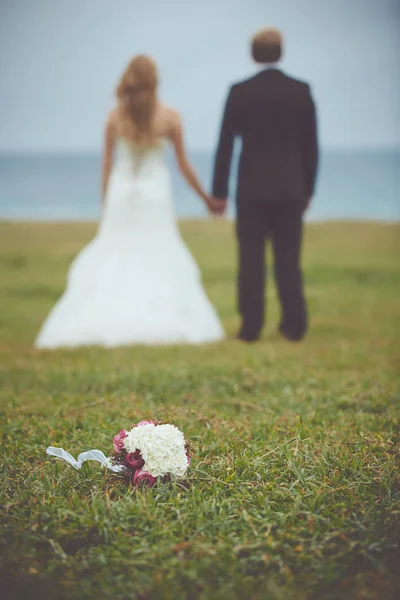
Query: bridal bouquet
x,y
150,451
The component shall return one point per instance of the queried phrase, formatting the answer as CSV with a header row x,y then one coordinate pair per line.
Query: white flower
x,y
162,448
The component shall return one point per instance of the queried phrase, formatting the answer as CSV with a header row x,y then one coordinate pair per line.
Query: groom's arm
x,y
311,146
223,157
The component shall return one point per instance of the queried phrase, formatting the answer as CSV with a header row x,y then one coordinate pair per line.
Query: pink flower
x,y
141,423
134,460
143,478
187,454
119,440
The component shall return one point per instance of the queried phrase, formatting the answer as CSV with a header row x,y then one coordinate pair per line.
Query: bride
x,y
136,282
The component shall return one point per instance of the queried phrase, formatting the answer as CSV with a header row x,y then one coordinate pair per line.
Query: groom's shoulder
x,y
298,87
300,83
243,83
239,89
236,86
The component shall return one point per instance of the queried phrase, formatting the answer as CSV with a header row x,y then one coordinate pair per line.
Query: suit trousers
x,y
283,225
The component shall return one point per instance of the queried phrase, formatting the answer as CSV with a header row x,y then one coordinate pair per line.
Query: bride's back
x,y
162,126
142,122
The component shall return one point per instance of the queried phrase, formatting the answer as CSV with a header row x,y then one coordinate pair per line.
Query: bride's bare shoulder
x,y
111,122
175,116
112,117
170,118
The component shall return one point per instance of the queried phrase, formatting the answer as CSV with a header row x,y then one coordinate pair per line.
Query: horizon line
x,y
194,150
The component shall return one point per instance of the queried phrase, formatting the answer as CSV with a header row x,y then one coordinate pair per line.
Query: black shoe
x,y
245,336
291,337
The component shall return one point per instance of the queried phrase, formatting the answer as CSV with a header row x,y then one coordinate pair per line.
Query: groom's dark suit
x,y
274,116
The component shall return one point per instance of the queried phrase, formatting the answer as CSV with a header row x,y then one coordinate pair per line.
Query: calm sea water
x,y
363,185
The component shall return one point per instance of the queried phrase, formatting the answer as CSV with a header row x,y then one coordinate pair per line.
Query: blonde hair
x,y
266,45
137,99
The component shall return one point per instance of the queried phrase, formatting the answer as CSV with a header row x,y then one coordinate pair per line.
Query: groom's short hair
x,y
266,45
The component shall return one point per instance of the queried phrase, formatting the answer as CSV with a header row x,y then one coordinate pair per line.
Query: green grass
x,y
294,489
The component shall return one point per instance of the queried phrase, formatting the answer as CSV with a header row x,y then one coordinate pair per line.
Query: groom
x,y
274,116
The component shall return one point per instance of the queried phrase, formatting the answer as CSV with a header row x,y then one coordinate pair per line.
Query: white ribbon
x,y
89,455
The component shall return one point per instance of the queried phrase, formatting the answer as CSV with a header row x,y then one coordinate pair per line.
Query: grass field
x,y
294,490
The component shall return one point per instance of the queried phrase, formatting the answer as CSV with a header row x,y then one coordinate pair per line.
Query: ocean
x,y
55,187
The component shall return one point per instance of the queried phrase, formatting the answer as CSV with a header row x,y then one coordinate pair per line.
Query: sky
x,y
61,59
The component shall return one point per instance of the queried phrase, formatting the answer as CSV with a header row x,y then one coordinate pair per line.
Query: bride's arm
x,y
183,162
109,142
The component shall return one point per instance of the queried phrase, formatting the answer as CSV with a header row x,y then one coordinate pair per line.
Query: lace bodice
x,y
138,159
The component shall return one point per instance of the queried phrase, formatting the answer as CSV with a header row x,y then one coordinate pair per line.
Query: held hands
x,y
216,206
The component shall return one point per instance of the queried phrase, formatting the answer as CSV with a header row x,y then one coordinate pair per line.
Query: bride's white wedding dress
x,y
135,282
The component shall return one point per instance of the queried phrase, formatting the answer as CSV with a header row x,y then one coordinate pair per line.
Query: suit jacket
x,y
274,115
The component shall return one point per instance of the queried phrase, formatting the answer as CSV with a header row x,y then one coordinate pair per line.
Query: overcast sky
x,y
60,61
